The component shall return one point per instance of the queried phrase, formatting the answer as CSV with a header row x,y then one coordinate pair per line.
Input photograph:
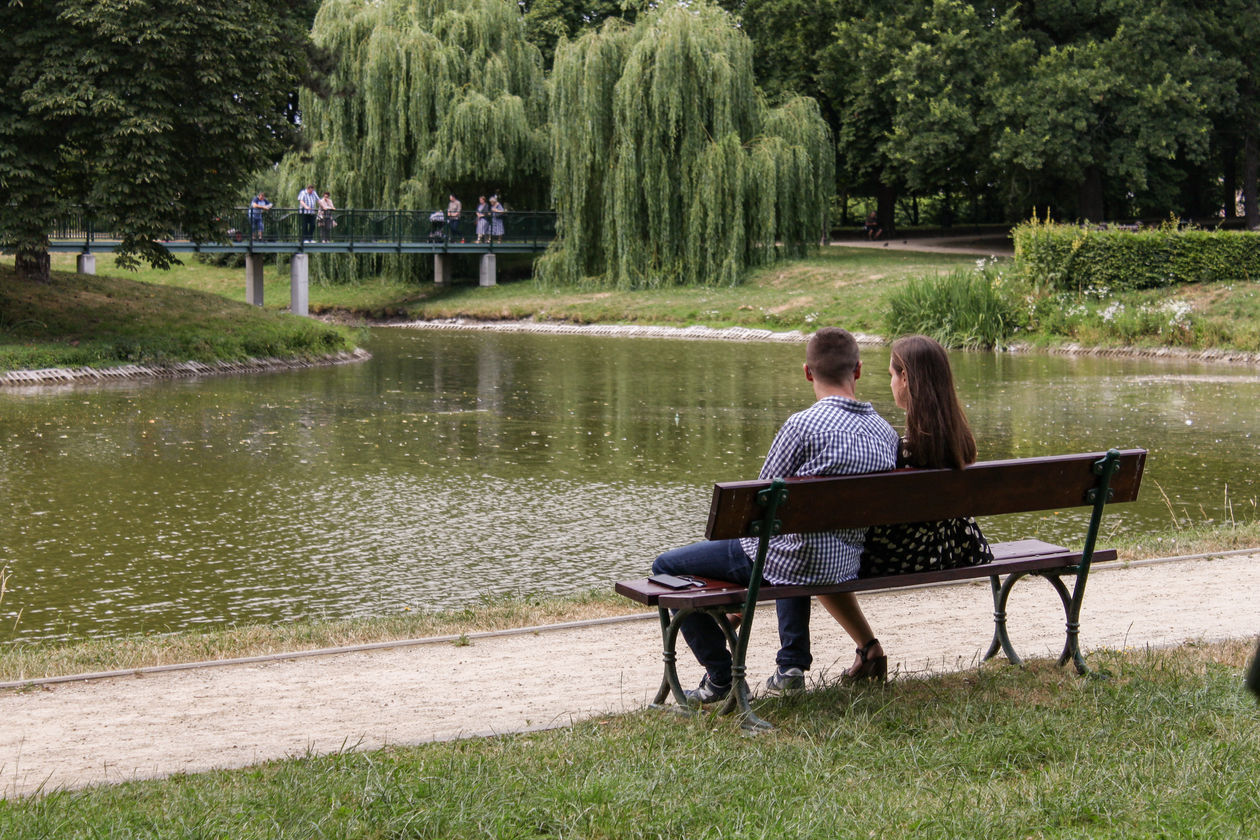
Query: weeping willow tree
x,y
668,167
431,97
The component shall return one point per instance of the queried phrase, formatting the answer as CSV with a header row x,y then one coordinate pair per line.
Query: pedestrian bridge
x,y
289,231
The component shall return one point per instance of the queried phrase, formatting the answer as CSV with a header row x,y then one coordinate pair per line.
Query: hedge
x,y
1076,258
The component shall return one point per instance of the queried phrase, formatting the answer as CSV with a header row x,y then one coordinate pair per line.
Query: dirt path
x,y
71,735
988,245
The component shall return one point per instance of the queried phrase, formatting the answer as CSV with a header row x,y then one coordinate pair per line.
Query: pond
x,y
460,465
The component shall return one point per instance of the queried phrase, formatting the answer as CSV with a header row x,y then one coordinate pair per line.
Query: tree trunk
x,y
1250,161
886,204
1089,203
33,266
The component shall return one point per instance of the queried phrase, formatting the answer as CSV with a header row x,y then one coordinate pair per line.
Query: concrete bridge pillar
x,y
299,285
86,263
488,276
442,269
254,279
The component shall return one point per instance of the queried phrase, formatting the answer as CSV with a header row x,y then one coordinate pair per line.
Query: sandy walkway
x,y
84,733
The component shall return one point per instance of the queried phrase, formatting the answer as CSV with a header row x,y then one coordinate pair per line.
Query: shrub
x,y
1070,257
966,308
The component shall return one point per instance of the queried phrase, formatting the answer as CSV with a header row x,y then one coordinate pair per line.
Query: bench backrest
x,y
982,489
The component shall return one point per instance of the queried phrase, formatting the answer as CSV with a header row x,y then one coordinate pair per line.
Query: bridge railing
x,y
346,228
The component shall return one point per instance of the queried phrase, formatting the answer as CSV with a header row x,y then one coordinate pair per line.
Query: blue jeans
x,y
726,560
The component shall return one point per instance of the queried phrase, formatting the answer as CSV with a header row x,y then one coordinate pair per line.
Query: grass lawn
x,y
838,286
96,321
1166,745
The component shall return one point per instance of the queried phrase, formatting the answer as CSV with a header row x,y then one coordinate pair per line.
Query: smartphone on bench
x,y
675,582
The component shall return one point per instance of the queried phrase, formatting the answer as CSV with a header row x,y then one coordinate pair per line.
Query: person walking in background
x,y
873,230
453,209
325,218
496,218
308,206
937,437
483,219
257,207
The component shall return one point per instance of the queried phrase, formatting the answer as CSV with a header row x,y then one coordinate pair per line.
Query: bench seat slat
x,y
1028,555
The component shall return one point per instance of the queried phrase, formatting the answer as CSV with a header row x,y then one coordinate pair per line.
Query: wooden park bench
x,y
800,505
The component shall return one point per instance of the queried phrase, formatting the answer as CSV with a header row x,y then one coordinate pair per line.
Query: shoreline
x,y
465,638
123,373
178,370
703,333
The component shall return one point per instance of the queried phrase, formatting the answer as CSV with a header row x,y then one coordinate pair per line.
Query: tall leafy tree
x,y
148,114
669,167
429,97
1118,92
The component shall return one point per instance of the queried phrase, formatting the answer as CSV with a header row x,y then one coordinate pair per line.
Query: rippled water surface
x,y
458,465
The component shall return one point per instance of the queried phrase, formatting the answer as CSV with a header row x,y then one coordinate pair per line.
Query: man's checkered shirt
x,y
834,436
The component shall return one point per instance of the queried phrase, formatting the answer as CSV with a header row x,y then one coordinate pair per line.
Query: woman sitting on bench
x,y
937,436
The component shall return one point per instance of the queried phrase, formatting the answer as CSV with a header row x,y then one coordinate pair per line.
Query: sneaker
x,y
785,681
708,692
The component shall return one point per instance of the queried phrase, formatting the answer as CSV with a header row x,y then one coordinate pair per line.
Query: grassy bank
x,y
849,286
837,286
1168,746
85,321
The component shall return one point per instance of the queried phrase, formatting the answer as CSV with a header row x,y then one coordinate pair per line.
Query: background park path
x,y
985,245
75,734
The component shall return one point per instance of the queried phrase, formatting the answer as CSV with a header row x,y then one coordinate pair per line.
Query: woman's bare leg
x,y
844,608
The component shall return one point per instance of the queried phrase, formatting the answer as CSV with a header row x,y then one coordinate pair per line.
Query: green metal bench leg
x,y
1001,639
670,682
738,700
1072,616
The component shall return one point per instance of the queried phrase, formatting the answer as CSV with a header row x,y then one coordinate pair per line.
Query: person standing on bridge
x,y
308,203
453,210
483,219
496,218
257,207
325,217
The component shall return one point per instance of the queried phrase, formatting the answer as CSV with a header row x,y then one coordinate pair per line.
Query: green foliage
x,y
669,168
431,97
151,113
1080,258
965,308
1097,318
548,21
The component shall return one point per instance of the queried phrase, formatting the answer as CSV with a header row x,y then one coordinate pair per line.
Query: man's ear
x,y
857,371
809,374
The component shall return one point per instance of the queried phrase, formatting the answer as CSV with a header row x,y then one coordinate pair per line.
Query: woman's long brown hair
x,y
937,433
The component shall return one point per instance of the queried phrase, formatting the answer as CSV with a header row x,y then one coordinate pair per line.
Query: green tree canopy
x,y
429,97
1115,94
148,114
669,167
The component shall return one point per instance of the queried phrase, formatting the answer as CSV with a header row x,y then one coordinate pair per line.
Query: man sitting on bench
x,y
837,435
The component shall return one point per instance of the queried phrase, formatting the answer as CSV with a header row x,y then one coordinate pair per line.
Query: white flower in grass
x,y
1112,311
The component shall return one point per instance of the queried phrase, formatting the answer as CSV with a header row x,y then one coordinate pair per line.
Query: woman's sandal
x,y
867,667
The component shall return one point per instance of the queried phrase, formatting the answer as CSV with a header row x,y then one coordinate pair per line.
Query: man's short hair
x,y
832,355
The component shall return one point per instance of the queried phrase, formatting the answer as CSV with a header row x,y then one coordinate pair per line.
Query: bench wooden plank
x,y
986,488
1010,557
